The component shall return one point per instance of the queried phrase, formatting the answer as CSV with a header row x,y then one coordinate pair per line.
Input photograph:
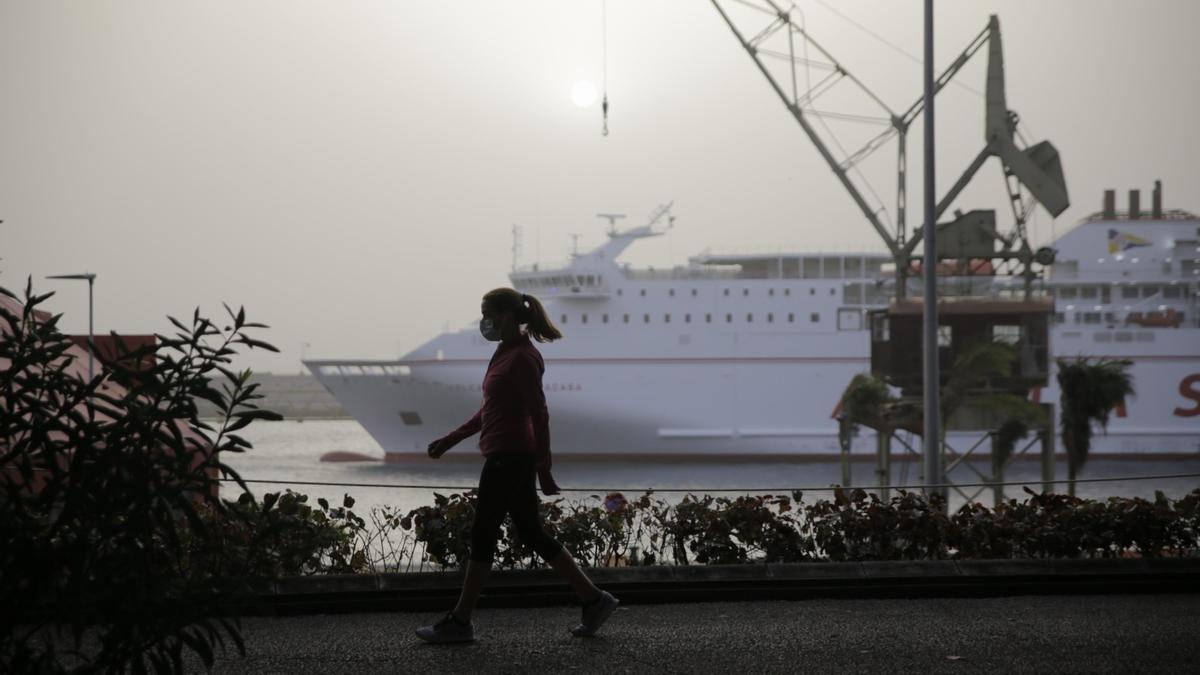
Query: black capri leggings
x,y
508,485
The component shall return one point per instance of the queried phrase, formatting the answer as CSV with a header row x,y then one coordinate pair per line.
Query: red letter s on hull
x,y
1189,387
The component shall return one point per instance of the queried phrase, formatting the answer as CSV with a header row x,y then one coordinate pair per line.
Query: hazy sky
x,y
350,171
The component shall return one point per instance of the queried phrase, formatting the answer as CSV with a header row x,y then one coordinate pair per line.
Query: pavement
x,y
1127,633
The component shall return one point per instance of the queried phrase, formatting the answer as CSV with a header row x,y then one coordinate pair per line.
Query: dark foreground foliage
x,y
853,526
113,540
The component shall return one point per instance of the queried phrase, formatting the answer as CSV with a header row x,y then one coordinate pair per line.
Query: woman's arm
x,y
469,428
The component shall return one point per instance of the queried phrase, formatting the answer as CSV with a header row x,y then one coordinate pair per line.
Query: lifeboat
x,y
1165,319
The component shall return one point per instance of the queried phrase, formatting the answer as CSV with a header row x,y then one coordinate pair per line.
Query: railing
x,y
746,490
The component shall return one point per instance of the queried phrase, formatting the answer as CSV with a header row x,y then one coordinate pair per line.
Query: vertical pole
x,y
932,433
844,443
1048,450
883,469
91,330
997,474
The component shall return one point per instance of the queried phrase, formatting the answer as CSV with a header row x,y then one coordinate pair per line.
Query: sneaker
x,y
595,614
449,629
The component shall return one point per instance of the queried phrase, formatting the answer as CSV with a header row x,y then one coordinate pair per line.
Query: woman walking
x,y
514,437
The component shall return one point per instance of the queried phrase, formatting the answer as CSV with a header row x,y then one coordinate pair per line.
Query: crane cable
x,y
604,58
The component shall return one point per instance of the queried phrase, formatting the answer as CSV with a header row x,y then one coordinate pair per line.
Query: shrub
x,y
105,486
853,526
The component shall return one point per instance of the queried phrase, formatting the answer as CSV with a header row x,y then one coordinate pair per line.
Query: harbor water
x,y
291,451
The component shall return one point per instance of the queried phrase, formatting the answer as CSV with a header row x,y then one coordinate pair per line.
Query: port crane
x,y
1033,175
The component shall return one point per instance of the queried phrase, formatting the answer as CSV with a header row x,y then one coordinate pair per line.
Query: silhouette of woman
x,y
514,437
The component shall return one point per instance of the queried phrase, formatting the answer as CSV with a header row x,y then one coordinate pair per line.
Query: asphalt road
x,y
1034,634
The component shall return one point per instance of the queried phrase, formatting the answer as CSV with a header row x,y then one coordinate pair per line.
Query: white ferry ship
x,y
746,356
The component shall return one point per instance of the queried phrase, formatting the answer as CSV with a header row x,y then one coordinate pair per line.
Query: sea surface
x,y
291,451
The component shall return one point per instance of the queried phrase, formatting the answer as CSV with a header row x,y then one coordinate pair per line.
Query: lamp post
x,y
91,279
931,380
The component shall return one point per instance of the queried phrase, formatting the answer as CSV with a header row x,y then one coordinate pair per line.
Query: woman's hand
x,y
549,487
439,447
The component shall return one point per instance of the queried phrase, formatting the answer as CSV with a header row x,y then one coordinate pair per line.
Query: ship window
x,y
812,291
645,318
693,292
787,291
1129,291
583,318
591,279
687,318
945,335
1059,317
728,318
770,317
620,291
671,292
814,317
791,317
1149,291
1091,317
726,291
1087,292
1172,291
624,318
708,318
849,319
410,418
1006,334
832,268
880,330
833,291
666,318
603,318
811,268
853,267
1068,292
749,318
852,294
642,292
745,292
564,319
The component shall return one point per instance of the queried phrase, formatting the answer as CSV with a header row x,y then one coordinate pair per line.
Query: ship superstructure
x,y
728,355
747,355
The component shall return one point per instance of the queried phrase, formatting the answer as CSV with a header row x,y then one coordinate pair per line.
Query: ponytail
x,y
528,311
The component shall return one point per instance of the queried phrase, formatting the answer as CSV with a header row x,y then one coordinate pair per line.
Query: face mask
x,y
488,330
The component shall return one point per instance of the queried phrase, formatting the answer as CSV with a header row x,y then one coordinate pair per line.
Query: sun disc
x,y
583,93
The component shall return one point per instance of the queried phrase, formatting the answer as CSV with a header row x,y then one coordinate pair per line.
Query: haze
x,y
351,171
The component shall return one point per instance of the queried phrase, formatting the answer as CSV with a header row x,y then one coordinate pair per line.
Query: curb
x,y
435,591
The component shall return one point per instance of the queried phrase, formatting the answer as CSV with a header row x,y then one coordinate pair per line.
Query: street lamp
x,y
91,279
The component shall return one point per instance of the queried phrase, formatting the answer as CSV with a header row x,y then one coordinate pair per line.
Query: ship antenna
x,y
612,221
662,210
516,245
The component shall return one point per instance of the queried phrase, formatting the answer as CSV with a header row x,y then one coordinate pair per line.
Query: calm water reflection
x,y
291,451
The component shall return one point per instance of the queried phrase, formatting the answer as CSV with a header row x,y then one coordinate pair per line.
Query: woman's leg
x,y
564,563
477,574
527,520
489,514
